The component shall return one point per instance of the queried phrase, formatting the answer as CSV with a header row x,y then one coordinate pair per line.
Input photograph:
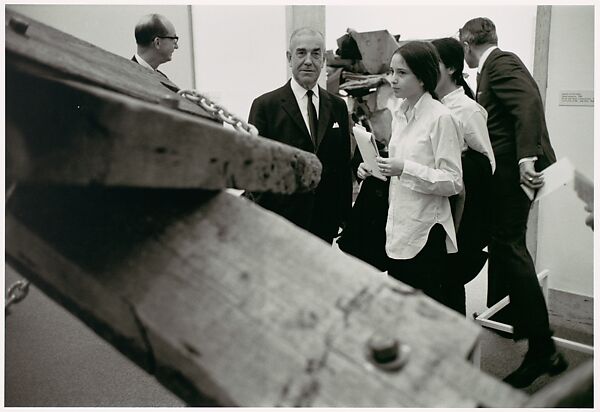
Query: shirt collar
x,y
417,108
300,91
453,95
143,62
484,57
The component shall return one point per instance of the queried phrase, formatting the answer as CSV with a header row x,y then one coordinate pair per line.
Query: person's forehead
x,y
307,41
398,61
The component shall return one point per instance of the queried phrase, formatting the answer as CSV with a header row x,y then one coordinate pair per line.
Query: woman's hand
x,y
392,166
363,171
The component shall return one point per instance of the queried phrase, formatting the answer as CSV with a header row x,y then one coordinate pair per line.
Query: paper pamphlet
x,y
563,173
368,150
528,191
556,175
584,188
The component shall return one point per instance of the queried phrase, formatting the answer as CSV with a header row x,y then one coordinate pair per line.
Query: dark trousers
x,y
511,271
426,270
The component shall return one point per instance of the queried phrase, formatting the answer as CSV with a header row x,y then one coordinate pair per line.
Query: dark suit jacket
x,y
516,121
166,82
277,116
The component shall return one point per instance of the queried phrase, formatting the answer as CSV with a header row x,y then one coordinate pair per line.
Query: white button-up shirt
x,y
472,119
302,99
484,57
427,139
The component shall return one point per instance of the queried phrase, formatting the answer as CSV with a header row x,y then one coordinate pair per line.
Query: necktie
x,y
477,87
312,117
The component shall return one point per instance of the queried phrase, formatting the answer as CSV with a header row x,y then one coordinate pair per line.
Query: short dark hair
x,y
148,28
453,56
480,30
423,60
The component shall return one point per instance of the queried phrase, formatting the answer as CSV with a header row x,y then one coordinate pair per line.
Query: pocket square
x,y
335,125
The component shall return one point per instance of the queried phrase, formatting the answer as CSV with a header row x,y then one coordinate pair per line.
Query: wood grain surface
x,y
66,132
228,304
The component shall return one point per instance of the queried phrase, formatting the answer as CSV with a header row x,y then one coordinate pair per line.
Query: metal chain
x,y
218,111
16,293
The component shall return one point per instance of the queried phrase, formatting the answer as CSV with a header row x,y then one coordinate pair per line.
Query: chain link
x,y
218,111
16,293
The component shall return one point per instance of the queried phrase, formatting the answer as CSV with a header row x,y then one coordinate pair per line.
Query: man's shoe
x,y
534,367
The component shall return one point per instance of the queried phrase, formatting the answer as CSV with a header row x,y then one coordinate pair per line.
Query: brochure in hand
x,y
368,150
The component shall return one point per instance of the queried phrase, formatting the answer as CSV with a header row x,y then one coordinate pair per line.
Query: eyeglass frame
x,y
174,38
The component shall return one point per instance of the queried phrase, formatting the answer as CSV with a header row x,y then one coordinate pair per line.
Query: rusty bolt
x,y
18,25
169,101
384,349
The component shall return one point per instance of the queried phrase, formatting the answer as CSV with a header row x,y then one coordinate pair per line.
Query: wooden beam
x,y
68,57
573,390
228,304
83,134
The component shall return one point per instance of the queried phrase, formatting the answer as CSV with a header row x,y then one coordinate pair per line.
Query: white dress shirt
x,y
472,120
427,139
484,57
302,99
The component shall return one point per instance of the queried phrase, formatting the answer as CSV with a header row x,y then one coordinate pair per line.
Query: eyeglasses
x,y
174,38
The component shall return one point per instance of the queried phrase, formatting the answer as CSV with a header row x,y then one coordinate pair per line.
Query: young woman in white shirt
x,y
472,206
424,168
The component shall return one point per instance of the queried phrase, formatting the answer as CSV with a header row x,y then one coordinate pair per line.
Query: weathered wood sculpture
x,y
117,210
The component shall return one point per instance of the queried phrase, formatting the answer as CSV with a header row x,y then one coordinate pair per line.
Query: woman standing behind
x,y
424,168
472,207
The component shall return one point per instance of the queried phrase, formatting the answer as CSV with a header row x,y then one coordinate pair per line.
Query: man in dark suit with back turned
x,y
303,115
156,41
517,129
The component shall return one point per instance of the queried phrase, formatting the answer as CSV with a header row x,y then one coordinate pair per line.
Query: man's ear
x,y
156,42
450,70
289,56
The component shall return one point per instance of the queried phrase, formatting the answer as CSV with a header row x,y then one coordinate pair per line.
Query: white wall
x,y
111,27
240,53
240,50
565,244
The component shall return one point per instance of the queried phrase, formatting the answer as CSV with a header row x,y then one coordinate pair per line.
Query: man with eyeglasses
x,y
156,41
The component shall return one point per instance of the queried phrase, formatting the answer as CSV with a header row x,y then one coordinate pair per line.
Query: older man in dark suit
x,y
304,115
521,145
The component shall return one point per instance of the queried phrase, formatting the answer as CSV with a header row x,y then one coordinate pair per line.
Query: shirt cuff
x,y
528,159
410,168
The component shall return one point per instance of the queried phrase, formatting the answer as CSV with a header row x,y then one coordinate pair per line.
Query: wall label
x,y
576,98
